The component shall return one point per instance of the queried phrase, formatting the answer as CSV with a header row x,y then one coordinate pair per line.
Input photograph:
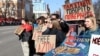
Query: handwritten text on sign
x,y
94,46
78,10
38,31
45,43
19,30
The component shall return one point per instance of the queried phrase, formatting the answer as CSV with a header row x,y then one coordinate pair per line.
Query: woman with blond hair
x,y
92,28
83,47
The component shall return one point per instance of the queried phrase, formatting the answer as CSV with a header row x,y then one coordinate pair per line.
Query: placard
x,y
19,30
38,31
36,34
45,43
78,10
71,35
94,46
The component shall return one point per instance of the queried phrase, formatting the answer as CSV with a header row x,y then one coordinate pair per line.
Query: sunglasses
x,y
47,22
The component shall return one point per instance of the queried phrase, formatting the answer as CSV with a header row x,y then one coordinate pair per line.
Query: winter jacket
x,y
88,34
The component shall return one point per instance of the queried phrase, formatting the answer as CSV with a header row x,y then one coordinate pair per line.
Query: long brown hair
x,y
56,24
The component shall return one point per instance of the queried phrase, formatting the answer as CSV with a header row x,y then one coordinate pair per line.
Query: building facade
x,y
16,8
40,8
28,9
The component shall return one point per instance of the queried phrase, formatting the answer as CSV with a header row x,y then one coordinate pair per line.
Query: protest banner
x,y
71,35
94,46
80,48
45,43
78,10
19,30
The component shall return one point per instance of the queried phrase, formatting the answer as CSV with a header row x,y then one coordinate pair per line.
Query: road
x,y
9,43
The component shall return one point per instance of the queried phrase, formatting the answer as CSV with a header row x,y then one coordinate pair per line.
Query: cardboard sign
x,y
78,10
94,46
38,31
19,30
45,43
36,34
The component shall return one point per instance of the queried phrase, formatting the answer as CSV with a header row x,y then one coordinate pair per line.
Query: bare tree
x,y
8,8
67,1
97,9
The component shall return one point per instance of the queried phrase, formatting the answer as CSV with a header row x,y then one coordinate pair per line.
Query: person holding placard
x,y
26,36
81,48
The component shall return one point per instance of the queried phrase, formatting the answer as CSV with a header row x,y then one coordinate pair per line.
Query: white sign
x,y
94,46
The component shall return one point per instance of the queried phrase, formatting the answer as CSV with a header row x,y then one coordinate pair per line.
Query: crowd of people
x,y
54,25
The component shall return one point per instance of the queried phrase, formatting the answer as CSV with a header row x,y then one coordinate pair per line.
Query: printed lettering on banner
x,y
94,46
